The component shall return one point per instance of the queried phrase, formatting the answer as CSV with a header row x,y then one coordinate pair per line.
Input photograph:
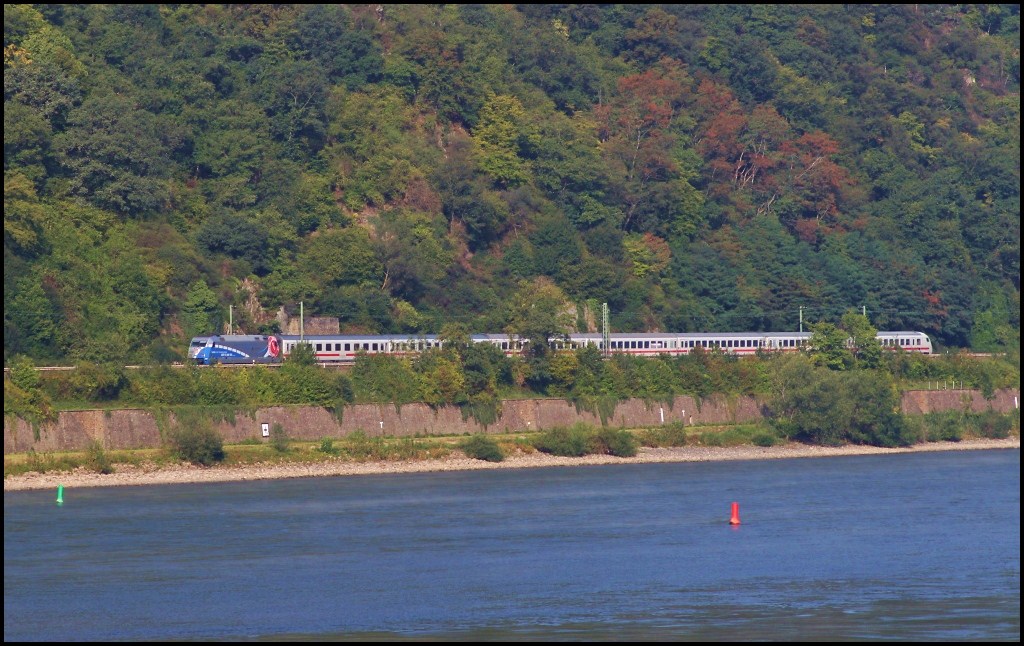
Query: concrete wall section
x,y
135,429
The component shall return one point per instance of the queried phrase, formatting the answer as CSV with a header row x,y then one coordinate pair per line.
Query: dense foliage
x,y
400,167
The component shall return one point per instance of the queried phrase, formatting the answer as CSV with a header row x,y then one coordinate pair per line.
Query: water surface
x,y
913,547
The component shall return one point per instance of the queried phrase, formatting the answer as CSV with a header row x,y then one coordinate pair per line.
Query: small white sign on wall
x,y
266,430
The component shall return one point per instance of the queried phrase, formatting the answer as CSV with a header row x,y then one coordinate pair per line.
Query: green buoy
x,y
60,494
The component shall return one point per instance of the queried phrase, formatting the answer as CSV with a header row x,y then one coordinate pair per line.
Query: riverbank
x,y
128,475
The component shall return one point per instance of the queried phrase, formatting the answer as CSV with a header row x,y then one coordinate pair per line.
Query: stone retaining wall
x,y
138,428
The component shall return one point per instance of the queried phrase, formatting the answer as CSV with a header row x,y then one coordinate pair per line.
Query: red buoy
x,y
735,520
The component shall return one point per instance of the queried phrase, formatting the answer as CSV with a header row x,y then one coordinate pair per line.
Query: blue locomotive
x,y
235,348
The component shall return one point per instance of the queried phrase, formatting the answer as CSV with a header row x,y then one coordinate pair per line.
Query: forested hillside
x,y
400,167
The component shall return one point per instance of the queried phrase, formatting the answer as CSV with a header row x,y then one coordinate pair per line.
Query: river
x,y
922,547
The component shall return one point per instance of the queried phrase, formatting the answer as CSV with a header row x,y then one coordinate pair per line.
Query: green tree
x,y
830,346
821,406
537,313
201,311
501,134
416,254
117,154
867,351
342,257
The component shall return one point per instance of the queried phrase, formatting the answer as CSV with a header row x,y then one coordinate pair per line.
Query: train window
x,y
647,344
319,347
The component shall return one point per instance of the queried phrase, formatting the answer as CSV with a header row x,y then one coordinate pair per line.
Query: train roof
x,y
505,337
715,335
357,337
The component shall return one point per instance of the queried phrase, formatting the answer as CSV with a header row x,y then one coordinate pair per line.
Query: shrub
x,y
481,447
97,459
327,447
993,425
198,444
944,427
359,446
765,438
671,434
279,439
570,442
610,441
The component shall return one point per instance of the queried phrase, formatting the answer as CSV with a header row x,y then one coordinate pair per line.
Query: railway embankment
x,y
125,429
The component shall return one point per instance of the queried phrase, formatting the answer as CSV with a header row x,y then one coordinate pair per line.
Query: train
x,y
344,348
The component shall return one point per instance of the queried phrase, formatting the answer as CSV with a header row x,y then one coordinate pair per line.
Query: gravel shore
x,y
131,475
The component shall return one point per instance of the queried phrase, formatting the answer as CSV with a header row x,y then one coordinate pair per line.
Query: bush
x,y
359,446
765,438
279,439
739,435
617,442
97,459
993,425
671,434
327,447
944,427
198,444
481,447
569,442
821,406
